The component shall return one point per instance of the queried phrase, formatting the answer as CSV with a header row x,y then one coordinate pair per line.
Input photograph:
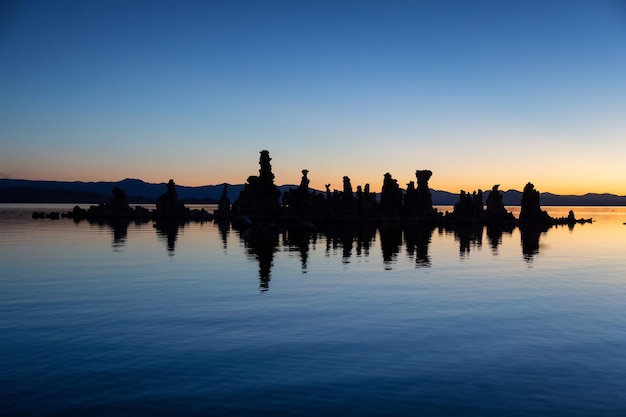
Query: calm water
x,y
201,320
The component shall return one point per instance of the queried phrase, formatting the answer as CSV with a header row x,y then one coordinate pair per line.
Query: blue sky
x,y
479,92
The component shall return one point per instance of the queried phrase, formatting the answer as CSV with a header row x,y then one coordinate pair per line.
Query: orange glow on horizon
x,y
557,179
337,182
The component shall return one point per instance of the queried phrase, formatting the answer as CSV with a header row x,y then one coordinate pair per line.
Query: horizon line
x,y
486,190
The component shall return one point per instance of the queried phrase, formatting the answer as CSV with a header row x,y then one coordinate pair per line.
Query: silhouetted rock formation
x,y
570,220
53,215
347,195
168,205
77,213
299,202
530,209
469,209
223,207
414,204
371,209
259,199
390,197
424,197
410,200
531,213
116,208
496,212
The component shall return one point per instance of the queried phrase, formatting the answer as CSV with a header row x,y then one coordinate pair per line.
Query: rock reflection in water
x,y
261,242
343,239
347,239
224,229
469,236
417,238
390,243
119,230
168,229
494,234
529,236
298,240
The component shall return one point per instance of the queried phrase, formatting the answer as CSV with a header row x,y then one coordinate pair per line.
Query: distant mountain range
x,y
140,192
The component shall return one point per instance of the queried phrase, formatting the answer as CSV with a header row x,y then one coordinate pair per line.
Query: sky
x,y
479,92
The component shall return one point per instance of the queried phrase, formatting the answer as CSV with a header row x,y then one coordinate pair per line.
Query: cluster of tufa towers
x,y
262,200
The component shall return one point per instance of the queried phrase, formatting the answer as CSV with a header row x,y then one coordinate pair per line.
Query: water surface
x,y
200,319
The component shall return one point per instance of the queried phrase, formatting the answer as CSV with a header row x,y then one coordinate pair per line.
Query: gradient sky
x,y
479,92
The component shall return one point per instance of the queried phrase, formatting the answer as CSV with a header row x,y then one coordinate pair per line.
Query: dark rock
x,y
77,213
390,197
495,211
168,205
299,201
530,209
223,208
259,199
116,208
54,215
424,199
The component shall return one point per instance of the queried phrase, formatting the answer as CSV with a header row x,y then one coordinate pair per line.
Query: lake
x,y
200,319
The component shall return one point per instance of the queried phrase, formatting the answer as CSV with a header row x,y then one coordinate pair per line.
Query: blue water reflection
x,y
149,319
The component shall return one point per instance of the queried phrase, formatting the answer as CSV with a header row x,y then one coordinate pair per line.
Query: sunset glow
x,y
481,93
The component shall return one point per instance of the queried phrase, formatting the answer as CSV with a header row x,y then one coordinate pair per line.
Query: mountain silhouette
x,y
141,192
